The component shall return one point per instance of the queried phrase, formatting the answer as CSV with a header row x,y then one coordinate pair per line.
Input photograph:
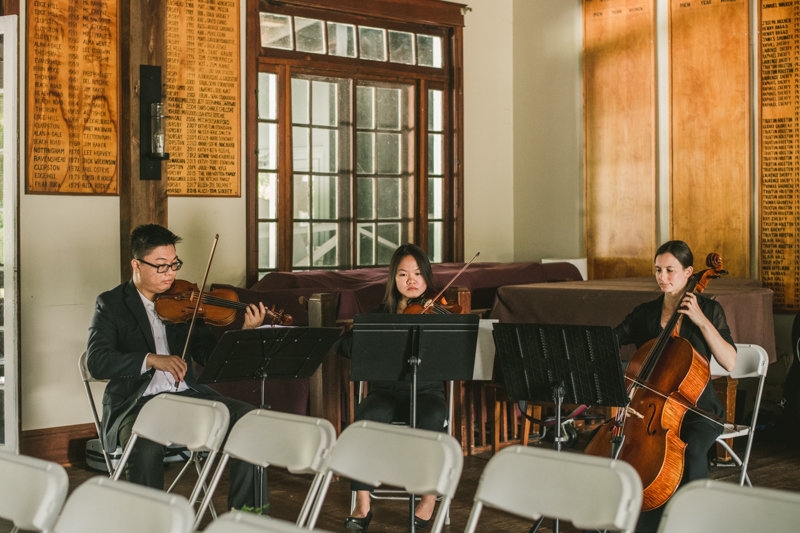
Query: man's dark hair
x,y
147,237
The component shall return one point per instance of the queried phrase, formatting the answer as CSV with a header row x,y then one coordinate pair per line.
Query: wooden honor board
x,y
619,133
780,170
203,98
72,73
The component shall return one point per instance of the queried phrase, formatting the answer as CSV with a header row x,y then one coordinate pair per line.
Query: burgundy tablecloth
x,y
747,305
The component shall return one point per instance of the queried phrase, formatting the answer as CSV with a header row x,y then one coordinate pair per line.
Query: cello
x,y
665,377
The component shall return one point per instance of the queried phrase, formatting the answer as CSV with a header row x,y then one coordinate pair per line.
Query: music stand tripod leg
x,y
414,361
261,495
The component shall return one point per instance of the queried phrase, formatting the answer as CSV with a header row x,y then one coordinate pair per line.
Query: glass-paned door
x,y
436,175
9,425
268,160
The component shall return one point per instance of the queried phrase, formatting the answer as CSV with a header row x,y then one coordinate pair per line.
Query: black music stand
x,y
390,347
260,353
561,363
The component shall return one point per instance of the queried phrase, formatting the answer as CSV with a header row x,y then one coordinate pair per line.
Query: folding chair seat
x,y
421,462
238,522
199,425
32,491
717,507
101,505
591,492
301,444
751,362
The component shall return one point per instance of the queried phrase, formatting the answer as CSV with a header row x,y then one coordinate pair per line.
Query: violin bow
x,y
433,300
199,299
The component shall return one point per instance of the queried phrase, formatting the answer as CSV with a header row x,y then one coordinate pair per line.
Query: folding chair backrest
x,y
300,444
718,507
101,505
238,522
419,461
751,361
200,425
591,492
32,491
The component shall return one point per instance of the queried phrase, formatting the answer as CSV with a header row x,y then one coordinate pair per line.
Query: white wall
x,y
489,133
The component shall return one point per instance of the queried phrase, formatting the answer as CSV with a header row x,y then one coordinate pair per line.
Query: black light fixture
x,y
152,124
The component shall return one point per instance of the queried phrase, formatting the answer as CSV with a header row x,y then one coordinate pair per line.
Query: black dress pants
x,y
145,465
395,406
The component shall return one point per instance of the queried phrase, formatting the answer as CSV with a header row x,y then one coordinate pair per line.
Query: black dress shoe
x,y
419,523
359,523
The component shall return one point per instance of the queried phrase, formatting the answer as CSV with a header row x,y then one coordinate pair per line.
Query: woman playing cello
x,y
707,331
410,277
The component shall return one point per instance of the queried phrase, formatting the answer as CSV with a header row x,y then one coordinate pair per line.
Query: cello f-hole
x,y
651,431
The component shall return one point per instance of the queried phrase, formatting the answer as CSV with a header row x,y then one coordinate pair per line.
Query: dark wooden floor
x,y
775,463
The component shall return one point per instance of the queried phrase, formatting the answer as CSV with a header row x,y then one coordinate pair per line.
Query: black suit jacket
x,y
119,340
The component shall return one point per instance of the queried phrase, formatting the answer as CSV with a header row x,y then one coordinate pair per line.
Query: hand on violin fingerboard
x,y
168,363
254,316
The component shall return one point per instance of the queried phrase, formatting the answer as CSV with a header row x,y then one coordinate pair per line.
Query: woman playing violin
x,y
410,277
704,326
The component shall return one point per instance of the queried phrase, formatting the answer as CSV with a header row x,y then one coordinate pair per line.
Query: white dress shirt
x,y
161,381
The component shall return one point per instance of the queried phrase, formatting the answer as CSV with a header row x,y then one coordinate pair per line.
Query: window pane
x,y
302,204
435,198
388,109
267,146
325,245
435,110
300,149
323,104
341,40
310,35
299,101
388,149
388,241
267,245
365,103
365,193
325,197
366,244
429,51
276,31
401,47
366,159
435,242
324,150
372,43
435,154
301,245
389,197
267,195
267,96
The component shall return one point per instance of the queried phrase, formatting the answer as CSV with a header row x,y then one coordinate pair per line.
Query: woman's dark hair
x,y
147,237
680,250
392,295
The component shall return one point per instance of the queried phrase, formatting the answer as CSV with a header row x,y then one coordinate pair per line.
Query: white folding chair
x,y
199,425
238,522
87,378
101,505
751,362
717,507
591,492
301,444
32,491
419,461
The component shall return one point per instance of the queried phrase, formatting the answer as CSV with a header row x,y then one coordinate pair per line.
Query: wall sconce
x,y
152,124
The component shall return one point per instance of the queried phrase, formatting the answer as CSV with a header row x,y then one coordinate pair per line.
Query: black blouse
x,y
644,324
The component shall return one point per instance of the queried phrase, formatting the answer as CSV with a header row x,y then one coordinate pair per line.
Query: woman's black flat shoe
x,y
419,523
360,523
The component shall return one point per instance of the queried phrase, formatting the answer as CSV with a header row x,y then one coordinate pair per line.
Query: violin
x,y
219,307
665,377
416,306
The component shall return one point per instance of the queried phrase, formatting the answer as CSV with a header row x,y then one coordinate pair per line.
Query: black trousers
x,y
395,406
699,435
145,465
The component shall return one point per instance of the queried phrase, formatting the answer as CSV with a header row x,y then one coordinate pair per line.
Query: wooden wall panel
x,y
619,136
710,124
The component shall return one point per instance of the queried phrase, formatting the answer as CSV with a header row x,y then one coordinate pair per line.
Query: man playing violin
x,y
135,350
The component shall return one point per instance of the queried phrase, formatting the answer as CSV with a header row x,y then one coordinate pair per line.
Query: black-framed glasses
x,y
162,269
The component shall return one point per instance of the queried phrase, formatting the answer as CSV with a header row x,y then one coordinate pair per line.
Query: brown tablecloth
x,y
747,305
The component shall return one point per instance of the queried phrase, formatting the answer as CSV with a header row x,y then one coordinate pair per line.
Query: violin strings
x,y
222,302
